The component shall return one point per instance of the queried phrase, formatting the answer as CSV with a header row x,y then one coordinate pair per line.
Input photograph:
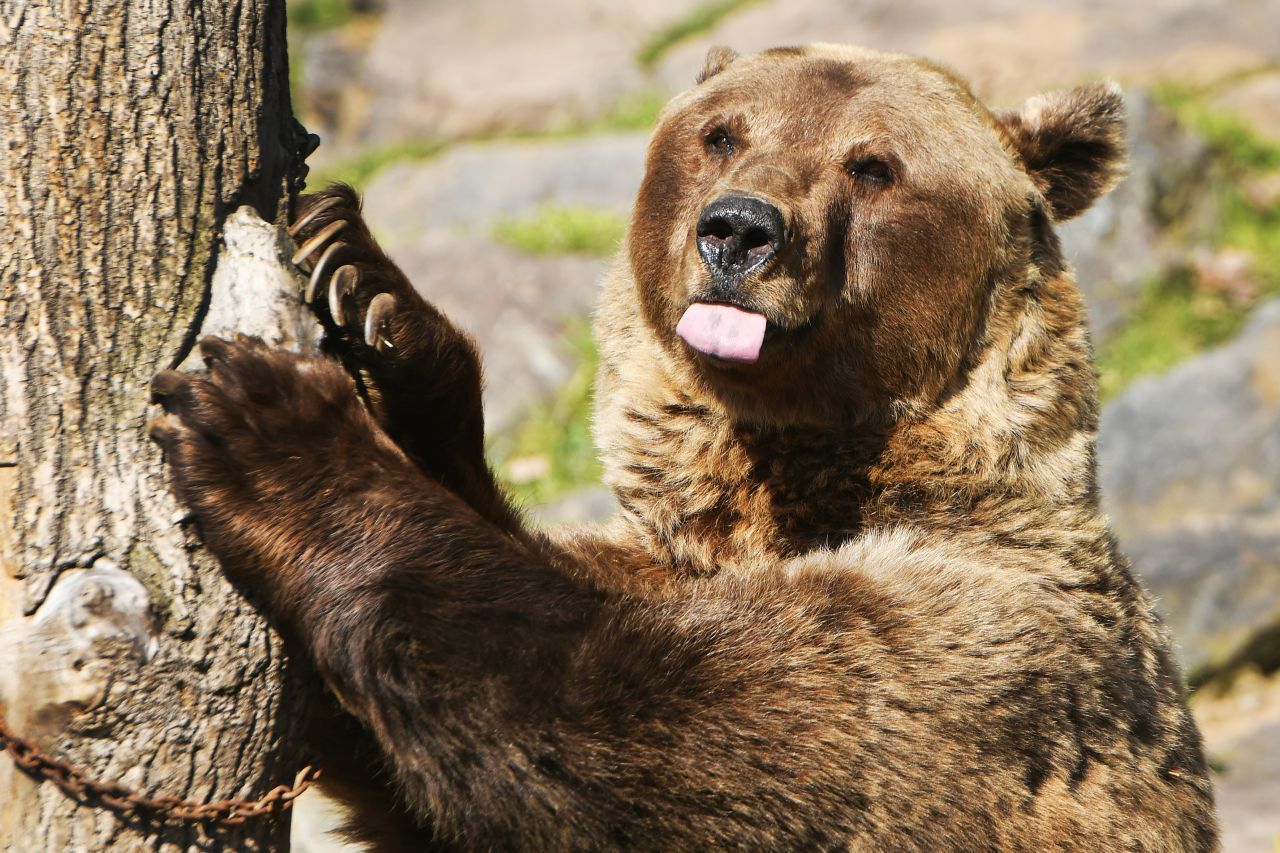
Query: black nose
x,y
738,233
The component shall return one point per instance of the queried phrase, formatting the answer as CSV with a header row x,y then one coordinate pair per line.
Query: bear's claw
x,y
326,234
344,282
319,208
317,272
377,320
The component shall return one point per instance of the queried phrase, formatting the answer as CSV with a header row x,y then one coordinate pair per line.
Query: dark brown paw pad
x,y
164,430
169,389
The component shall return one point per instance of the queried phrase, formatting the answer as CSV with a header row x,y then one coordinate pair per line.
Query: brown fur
x,y
860,594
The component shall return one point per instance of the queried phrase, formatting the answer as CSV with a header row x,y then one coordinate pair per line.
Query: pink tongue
x,y
723,331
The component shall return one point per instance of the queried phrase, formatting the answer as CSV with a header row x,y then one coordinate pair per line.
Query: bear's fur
x,y
860,593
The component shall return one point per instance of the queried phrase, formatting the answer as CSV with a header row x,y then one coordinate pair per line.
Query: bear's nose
x,y
738,233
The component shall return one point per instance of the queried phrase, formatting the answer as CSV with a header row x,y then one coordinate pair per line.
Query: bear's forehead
x,y
835,97
802,83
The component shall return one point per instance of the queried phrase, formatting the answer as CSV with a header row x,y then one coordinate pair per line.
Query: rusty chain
x,y
115,796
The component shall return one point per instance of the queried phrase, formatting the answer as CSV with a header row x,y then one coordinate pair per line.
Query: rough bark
x,y
130,133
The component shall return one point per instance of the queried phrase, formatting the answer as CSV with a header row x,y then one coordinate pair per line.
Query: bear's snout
x,y
738,234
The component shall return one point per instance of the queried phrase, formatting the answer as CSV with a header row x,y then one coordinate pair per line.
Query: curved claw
x,y
317,272
326,233
343,284
319,208
381,310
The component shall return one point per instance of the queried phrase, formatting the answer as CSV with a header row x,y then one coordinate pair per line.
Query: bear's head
x,y
827,233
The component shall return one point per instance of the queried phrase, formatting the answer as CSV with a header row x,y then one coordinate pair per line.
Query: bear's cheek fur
x,y
664,258
916,269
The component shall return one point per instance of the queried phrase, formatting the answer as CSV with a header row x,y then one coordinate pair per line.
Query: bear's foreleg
x,y
280,463
419,373
520,700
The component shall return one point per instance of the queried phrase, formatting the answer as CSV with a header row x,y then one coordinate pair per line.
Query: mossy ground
x,y
635,112
563,230
313,15
357,170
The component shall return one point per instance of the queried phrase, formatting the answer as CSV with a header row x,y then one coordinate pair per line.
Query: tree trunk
x,y
130,133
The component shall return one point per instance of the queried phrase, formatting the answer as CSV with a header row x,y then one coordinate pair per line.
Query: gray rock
x,y
471,186
328,63
1241,729
1203,437
445,69
1248,792
517,308
1190,470
1218,585
330,97
1010,49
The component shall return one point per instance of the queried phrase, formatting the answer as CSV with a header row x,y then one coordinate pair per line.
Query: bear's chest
x,y
711,499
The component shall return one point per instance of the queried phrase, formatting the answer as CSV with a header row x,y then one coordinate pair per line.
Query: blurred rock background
x,y
499,144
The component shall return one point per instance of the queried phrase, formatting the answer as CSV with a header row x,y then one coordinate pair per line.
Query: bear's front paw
x,y
275,456
360,295
263,424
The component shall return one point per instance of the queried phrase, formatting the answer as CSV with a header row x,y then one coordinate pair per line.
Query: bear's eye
x,y
720,142
872,171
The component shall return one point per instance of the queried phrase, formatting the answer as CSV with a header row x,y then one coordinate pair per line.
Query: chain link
x,y
115,796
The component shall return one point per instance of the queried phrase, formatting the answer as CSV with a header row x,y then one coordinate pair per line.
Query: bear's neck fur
x,y
707,491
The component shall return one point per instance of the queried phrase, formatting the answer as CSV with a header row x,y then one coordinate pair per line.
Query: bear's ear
x,y
718,58
1071,143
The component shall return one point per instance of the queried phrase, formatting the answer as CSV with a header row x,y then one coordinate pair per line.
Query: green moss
x,y
563,230
633,111
1219,765
1176,320
315,15
359,169
1173,322
699,20
636,111
557,434
1229,135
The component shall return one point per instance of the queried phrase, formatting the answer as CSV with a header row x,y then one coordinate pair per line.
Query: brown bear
x,y
859,593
